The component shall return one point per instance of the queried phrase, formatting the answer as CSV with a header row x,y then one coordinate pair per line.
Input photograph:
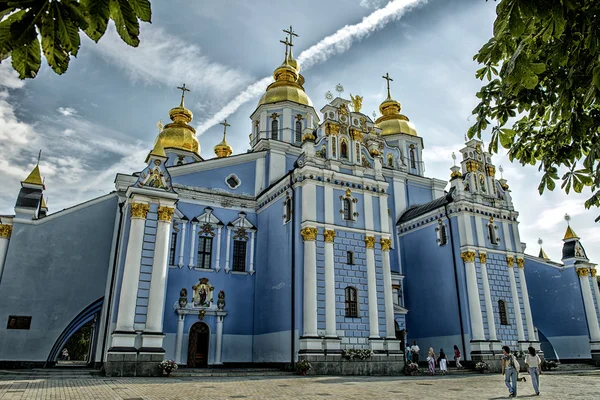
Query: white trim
x,y
218,263
182,243
193,245
228,249
368,207
251,271
233,175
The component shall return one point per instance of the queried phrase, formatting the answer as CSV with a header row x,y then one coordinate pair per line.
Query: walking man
x,y
510,371
415,352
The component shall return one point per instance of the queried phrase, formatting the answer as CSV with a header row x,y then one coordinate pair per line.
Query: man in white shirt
x,y
415,352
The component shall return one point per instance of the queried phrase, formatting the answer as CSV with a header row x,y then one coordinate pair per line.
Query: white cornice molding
x,y
208,197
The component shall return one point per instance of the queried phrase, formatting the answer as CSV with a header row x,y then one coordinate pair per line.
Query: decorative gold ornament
x,y
309,233
593,272
386,244
374,152
490,170
510,261
472,165
583,271
356,134
520,263
370,242
332,128
329,235
165,213
468,256
139,210
223,149
308,137
482,257
240,234
5,231
455,174
356,102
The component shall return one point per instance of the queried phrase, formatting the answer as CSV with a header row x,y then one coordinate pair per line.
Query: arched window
x,y
411,154
344,149
349,258
351,302
298,131
503,310
492,235
275,129
347,209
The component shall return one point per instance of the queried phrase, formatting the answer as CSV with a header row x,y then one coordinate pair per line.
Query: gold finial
x,y
183,90
287,43
223,149
388,79
356,102
35,178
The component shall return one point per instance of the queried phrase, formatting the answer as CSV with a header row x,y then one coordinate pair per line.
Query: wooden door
x,y
198,346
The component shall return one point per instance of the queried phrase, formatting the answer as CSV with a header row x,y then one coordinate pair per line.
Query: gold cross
x,y
225,125
183,90
291,33
388,79
286,46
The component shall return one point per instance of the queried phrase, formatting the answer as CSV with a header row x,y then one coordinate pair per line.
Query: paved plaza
x,y
554,386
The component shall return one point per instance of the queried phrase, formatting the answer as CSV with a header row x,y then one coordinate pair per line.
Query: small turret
x,y
573,251
30,202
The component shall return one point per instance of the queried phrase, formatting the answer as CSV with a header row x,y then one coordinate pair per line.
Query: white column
x,y
372,288
179,338
219,344
251,252
330,321
156,300
309,234
390,327
489,308
227,251
594,285
5,232
182,243
218,266
588,303
193,246
526,305
383,214
515,296
473,295
131,270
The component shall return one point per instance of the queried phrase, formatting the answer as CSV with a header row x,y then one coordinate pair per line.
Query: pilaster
x,y
528,317
372,288
588,302
510,262
310,341
489,309
477,331
332,342
5,233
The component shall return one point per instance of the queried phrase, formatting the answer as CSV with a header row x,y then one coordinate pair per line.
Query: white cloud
x,y
67,111
9,77
372,3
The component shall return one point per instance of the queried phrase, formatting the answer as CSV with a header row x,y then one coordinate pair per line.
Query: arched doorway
x,y
198,345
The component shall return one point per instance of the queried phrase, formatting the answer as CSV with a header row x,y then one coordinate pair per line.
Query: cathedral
x,y
324,242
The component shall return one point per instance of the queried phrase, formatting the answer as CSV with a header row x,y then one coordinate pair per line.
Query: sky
x,y
100,117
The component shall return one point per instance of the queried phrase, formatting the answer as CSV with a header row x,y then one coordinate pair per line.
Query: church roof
x,y
570,234
417,211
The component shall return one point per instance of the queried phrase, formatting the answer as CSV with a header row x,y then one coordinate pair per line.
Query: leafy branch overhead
x,y
57,24
542,99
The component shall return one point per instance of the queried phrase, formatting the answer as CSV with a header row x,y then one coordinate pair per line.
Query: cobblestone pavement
x,y
555,386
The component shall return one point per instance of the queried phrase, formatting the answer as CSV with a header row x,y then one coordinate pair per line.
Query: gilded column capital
x,y
165,213
370,242
468,256
510,261
386,244
593,272
5,231
329,235
139,210
582,271
309,234
521,263
482,257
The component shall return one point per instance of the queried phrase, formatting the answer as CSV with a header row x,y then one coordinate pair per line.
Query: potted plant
x,y
411,369
168,366
482,367
302,367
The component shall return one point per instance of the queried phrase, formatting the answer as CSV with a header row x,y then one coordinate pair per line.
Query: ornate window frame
x,y
205,225
351,201
287,208
492,233
274,124
233,175
441,232
178,227
240,229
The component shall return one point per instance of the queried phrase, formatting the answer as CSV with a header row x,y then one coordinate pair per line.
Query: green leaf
x,y
516,24
55,54
68,32
26,57
142,9
97,13
126,21
7,42
506,137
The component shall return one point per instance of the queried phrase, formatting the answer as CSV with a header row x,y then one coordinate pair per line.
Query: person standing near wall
x,y
415,352
533,365
443,362
457,357
431,361
510,371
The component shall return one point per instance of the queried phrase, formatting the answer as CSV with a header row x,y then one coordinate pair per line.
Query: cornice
x,y
213,163
189,194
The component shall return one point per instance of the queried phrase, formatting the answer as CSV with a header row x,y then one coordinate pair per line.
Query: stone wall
x,y
377,364
133,364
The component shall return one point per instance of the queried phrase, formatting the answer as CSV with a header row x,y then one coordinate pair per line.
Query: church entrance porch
x,y
198,346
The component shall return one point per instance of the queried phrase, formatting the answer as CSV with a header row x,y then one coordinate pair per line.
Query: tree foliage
x,y
29,26
542,98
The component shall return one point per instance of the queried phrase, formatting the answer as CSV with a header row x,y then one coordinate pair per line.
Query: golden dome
x,y
391,121
287,86
223,149
179,134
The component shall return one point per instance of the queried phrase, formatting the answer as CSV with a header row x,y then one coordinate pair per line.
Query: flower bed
x,y
354,354
168,366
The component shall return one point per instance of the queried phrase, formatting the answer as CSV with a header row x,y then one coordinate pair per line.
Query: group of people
x,y
510,365
510,370
412,356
